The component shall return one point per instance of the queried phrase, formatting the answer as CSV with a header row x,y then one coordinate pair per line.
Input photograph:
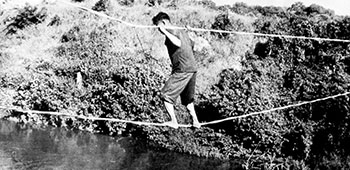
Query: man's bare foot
x,y
196,124
172,124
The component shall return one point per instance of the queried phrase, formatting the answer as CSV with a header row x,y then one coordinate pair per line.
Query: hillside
x,y
59,58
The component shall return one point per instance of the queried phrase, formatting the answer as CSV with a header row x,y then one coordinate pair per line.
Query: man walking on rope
x,y
183,76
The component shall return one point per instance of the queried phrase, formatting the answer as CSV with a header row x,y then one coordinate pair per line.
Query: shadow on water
x,y
26,147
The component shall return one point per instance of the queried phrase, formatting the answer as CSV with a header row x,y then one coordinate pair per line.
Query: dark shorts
x,y
180,84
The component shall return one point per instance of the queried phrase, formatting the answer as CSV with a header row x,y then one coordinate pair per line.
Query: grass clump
x,y
27,16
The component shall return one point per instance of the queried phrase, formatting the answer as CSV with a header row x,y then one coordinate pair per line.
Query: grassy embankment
x,y
41,61
36,45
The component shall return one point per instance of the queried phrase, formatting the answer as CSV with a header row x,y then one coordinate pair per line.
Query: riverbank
x,y
27,147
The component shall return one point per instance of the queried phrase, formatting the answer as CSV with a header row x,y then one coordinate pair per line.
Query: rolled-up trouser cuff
x,y
167,99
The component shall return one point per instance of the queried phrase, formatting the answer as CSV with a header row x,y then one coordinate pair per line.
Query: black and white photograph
x,y
174,84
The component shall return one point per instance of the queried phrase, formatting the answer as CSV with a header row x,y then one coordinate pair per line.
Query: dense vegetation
x,y
123,69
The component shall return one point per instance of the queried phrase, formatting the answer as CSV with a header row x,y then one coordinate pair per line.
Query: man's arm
x,y
175,40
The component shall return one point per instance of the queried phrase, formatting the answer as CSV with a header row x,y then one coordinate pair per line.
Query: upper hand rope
x,y
201,29
180,125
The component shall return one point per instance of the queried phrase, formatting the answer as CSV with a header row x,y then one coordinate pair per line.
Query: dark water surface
x,y
25,147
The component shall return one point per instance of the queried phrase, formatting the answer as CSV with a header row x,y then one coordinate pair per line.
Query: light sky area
x,y
340,7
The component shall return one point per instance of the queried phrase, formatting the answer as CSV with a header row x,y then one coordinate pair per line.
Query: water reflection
x,y
25,147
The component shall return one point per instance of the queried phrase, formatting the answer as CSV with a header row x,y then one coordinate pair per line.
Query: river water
x,y
25,147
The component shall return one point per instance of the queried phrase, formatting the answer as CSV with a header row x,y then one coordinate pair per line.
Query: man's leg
x,y
173,87
187,98
190,108
170,109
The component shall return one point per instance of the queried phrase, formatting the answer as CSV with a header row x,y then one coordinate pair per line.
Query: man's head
x,y
161,17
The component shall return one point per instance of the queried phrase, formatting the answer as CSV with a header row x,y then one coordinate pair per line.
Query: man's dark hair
x,y
160,16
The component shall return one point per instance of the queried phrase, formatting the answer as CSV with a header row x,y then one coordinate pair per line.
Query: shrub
x,y
71,35
101,5
222,22
241,92
55,21
154,2
127,2
118,85
240,8
206,3
312,70
27,16
204,142
47,94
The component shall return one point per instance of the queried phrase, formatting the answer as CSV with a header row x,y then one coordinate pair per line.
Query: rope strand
x,y
86,117
180,125
277,109
202,29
